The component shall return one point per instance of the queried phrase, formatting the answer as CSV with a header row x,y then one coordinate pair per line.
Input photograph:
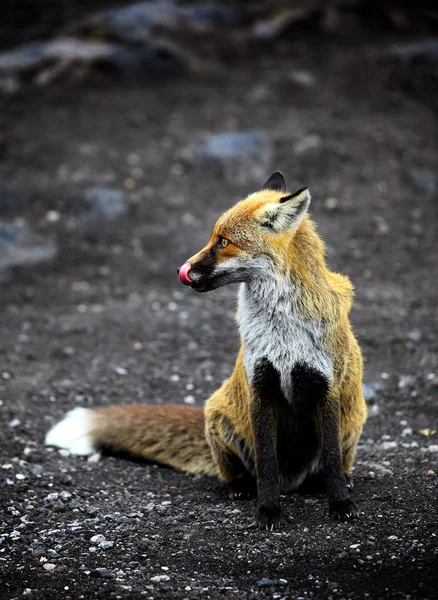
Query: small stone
x,y
265,581
52,497
433,448
370,390
407,431
106,544
120,370
189,400
159,578
424,180
406,381
304,79
103,573
97,539
22,246
388,445
307,144
49,566
331,203
415,335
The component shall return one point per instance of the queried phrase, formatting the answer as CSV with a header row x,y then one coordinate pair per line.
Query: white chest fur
x,y
272,327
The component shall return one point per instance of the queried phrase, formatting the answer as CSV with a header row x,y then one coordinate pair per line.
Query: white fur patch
x,y
272,327
74,432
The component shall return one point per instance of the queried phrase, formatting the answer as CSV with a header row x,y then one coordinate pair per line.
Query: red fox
x,y
293,408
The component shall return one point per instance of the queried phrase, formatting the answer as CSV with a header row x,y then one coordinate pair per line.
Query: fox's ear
x,y
276,182
289,213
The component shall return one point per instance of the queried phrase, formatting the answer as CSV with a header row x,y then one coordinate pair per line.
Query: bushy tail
x,y
168,434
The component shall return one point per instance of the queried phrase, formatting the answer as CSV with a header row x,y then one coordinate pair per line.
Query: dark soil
x,y
108,322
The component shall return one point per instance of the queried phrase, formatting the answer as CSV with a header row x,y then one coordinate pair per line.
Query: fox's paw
x,y
269,517
243,488
343,510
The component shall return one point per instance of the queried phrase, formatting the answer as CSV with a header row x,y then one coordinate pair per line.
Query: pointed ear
x,y
276,182
289,213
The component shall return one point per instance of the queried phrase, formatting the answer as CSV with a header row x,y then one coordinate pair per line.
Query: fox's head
x,y
249,240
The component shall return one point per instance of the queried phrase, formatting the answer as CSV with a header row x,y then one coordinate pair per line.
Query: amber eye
x,y
224,242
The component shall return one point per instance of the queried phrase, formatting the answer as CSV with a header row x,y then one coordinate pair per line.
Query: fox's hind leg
x,y
349,445
226,448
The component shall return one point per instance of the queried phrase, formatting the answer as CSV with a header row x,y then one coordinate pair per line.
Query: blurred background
x,y
127,128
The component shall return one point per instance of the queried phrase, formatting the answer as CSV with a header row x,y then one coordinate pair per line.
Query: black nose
x,y
178,270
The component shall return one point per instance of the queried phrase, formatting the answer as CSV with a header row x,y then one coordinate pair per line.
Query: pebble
x,y
105,545
49,566
331,203
307,144
159,578
103,573
189,400
370,389
52,497
97,539
406,381
424,180
388,445
415,335
433,448
265,581
20,245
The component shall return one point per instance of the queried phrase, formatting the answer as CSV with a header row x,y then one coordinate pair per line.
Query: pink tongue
x,y
184,274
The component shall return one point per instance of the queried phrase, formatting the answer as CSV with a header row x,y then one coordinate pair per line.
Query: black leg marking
x,y
266,388
341,505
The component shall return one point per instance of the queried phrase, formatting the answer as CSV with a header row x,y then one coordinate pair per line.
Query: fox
x,y
292,410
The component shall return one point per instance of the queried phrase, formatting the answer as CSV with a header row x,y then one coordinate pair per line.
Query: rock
x,y
106,544
307,144
406,381
265,581
22,246
388,445
49,566
433,448
370,390
331,203
189,400
159,578
415,335
378,468
97,539
236,154
103,573
424,180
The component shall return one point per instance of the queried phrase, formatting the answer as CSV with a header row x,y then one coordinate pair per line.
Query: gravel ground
x,y
107,322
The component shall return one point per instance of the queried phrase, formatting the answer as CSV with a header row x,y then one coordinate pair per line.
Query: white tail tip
x,y
74,432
